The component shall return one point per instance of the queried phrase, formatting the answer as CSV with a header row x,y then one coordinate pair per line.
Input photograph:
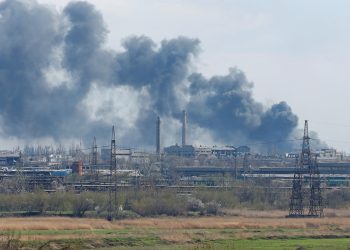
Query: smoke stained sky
x,y
283,66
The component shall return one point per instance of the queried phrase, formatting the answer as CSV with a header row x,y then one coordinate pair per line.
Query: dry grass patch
x,y
172,223
255,213
55,223
53,237
337,213
236,223
184,223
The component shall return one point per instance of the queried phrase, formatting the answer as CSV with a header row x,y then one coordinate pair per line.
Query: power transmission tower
x,y
306,167
296,207
316,201
112,196
93,163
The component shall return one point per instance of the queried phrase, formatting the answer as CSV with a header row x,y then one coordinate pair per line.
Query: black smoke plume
x,y
59,81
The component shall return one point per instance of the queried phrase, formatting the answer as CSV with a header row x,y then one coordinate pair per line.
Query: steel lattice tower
x,y
306,167
296,207
93,156
316,201
112,179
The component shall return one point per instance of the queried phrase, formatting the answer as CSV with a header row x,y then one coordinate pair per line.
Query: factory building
x,y
8,158
186,150
224,152
195,152
325,155
329,154
183,151
203,151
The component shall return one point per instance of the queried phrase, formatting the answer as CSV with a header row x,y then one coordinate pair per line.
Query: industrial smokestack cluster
x,y
184,128
184,125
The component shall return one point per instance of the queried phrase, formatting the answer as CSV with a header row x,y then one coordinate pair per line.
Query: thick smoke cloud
x,y
225,105
54,64
162,70
25,48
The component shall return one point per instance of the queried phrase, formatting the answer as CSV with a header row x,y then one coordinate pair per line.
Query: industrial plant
x,y
182,167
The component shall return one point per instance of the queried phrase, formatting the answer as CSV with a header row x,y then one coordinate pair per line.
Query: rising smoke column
x,y
47,67
84,55
225,106
162,72
25,48
56,79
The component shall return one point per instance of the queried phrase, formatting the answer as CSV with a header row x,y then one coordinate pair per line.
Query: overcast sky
x,y
296,51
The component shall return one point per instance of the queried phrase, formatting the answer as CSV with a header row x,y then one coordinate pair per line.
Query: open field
x,y
240,230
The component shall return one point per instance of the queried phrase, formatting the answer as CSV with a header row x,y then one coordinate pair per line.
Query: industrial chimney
x,y
158,135
184,125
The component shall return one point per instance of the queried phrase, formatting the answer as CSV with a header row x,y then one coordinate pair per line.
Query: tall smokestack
x,y
184,125
158,135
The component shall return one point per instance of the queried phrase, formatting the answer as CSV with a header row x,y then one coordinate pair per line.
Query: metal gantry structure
x,y
306,172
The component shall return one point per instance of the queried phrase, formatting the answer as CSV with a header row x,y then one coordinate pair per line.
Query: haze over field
x,y
61,80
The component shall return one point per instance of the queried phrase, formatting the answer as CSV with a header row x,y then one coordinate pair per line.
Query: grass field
x,y
240,230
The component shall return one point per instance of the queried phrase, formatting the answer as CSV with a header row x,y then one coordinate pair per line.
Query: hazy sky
x,y
296,51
